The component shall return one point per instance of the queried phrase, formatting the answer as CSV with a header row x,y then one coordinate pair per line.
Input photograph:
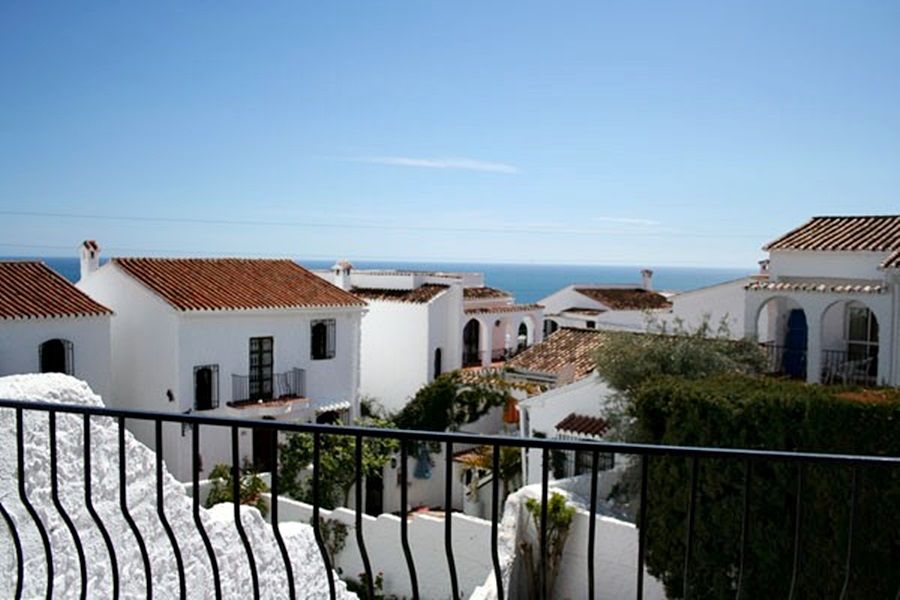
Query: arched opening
x,y
522,338
850,339
471,343
56,356
438,367
783,331
550,326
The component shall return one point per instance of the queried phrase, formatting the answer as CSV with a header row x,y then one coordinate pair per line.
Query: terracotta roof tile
x,y
484,292
892,261
625,298
503,308
567,346
859,233
583,424
816,286
235,283
32,290
420,295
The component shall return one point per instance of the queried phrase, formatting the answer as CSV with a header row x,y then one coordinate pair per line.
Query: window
x,y
590,324
862,336
550,326
206,387
522,338
261,368
322,339
437,362
57,356
583,460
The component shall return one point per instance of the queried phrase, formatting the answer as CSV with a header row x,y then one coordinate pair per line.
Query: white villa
x,y
612,307
232,337
828,307
571,404
421,324
47,325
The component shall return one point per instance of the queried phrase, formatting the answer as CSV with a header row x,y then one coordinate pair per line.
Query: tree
x,y
559,521
337,463
510,464
450,401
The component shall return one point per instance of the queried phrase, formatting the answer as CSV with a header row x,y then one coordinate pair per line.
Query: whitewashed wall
x,y
20,341
847,265
588,396
716,303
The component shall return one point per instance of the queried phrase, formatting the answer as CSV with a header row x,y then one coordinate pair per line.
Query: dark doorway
x,y
374,495
471,342
794,361
522,337
438,367
55,356
261,361
264,441
205,389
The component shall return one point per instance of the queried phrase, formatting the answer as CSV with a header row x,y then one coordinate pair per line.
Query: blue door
x,y
794,361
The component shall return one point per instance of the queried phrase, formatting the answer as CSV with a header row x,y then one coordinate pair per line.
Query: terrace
x,y
590,582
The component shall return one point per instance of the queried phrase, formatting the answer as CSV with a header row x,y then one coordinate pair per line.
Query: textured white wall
x,y
90,336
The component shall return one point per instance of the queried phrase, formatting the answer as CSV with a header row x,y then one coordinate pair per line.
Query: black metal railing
x,y
289,384
475,359
785,361
747,461
844,367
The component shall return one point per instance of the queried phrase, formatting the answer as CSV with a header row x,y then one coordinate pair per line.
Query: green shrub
x,y
749,412
252,487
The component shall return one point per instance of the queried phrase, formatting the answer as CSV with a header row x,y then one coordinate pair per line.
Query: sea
x,y
527,282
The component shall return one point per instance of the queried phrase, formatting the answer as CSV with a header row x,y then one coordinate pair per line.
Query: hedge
x,y
749,412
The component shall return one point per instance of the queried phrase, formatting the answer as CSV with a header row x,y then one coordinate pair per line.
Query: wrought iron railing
x,y
751,460
841,366
289,384
783,360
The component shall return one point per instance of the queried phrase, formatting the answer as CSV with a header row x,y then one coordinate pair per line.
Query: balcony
x,y
426,563
840,367
282,394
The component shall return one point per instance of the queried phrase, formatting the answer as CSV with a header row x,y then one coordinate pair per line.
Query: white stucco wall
x,y
723,302
90,336
845,265
588,396
567,298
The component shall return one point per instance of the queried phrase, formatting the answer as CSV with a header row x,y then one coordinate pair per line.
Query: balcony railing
x,y
781,360
749,463
475,359
841,366
289,384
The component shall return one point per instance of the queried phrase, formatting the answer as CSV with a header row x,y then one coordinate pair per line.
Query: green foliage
x,y
626,360
510,464
747,412
334,537
559,521
449,402
252,487
337,462
359,588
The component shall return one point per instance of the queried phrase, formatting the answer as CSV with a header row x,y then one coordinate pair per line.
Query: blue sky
x,y
680,133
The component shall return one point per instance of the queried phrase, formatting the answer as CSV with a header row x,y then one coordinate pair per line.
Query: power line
x,y
512,230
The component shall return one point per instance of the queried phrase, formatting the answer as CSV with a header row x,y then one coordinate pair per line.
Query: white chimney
x,y
341,271
647,279
90,257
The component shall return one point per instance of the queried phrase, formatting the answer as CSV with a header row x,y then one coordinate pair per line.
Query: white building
x,y
720,306
231,337
421,324
573,399
612,307
829,307
47,325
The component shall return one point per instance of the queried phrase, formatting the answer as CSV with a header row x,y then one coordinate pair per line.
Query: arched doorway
x,y
783,332
471,343
522,337
850,340
56,356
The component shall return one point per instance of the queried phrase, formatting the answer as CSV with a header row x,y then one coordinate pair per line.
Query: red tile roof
x,y
583,424
618,298
420,295
567,346
503,308
484,292
860,233
892,261
235,283
32,290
